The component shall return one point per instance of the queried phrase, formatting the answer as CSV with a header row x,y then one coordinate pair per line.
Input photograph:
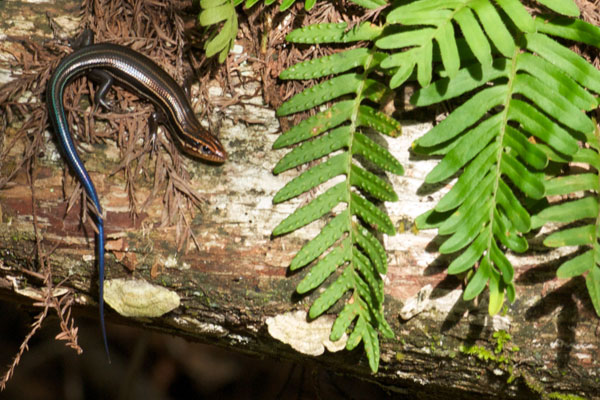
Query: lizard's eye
x,y
205,149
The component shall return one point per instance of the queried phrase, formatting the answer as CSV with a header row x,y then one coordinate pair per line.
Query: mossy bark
x,y
237,277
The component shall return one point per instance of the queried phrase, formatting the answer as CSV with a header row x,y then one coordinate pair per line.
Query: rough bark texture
x,y
238,278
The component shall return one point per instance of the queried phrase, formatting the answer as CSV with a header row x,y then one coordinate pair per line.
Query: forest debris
x,y
138,298
306,337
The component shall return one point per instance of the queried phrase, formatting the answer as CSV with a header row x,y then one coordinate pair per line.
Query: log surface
x,y
233,286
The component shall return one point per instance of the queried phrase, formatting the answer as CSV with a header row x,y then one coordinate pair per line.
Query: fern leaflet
x,y
346,248
216,12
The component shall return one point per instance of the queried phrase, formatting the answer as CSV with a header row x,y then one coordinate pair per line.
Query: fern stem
x,y
353,126
597,230
509,93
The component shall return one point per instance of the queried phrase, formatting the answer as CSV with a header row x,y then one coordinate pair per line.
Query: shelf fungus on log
x,y
307,337
138,298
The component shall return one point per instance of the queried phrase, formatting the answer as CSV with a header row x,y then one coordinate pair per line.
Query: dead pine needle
x,y
60,304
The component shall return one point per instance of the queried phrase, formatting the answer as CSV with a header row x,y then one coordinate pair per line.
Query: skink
x,y
106,63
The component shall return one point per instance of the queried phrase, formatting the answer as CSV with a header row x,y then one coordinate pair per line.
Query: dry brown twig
x,y
68,330
61,304
24,346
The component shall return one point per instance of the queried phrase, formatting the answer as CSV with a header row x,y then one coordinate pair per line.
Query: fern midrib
x,y
353,120
509,93
597,230
595,244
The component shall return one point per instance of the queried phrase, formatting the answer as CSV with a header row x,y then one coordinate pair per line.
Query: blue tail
x,y
100,243
56,85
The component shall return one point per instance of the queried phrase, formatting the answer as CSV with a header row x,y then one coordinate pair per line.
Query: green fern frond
x,y
334,33
487,142
222,12
346,250
216,12
438,16
582,210
415,26
528,98
309,4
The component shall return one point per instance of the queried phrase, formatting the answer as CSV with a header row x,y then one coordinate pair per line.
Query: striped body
x,y
142,76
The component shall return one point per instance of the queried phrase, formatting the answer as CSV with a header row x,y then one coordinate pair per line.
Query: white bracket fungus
x,y
138,298
309,338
